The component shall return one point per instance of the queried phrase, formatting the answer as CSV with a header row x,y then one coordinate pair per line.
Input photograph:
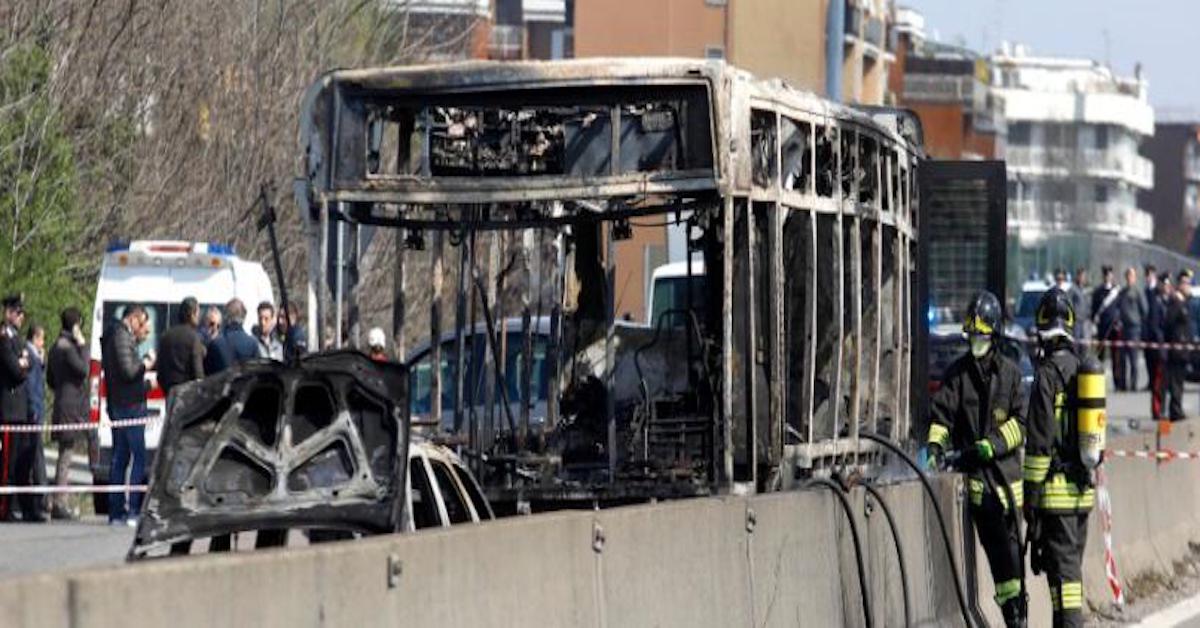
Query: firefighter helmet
x,y
1055,313
984,316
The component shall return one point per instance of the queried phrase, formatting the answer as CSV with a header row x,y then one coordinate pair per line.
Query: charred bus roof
x,y
539,131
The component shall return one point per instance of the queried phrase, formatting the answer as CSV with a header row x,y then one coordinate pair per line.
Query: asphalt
x,y
29,548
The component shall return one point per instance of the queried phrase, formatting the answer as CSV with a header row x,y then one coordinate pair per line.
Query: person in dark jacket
x,y
35,389
125,381
291,333
181,350
1151,293
1132,306
1178,330
19,449
210,325
1154,332
1106,317
234,345
270,343
1193,304
66,373
1151,278
35,378
979,412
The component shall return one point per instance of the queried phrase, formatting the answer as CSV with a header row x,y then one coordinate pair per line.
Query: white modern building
x,y
1074,130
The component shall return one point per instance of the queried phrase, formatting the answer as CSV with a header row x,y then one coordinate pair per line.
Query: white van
x,y
669,290
159,274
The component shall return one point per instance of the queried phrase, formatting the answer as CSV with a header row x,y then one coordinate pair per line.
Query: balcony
x,y
475,8
1119,219
553,11
506,42
940,88
1092,162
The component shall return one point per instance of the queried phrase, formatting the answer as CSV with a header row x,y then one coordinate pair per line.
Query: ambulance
x,y
159,274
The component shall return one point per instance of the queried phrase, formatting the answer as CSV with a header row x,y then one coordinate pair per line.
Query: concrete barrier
x,y
1156,512
773,560
770,560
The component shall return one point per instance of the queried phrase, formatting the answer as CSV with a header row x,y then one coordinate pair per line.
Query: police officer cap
x,y
14,302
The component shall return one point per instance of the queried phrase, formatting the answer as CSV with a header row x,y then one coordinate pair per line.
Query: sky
x,y
1160,34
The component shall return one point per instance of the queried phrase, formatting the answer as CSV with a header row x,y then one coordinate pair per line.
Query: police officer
x,y
1058,487
19,451
978,415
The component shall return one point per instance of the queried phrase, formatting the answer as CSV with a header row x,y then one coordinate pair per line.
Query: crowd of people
x,y
196,345
1158,310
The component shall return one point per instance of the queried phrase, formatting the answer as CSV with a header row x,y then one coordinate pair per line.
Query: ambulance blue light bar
x,y
153,247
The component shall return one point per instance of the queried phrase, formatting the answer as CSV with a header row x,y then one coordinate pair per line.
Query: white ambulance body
x,y
159,274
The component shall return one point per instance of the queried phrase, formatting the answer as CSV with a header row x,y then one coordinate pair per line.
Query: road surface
x,y
47,547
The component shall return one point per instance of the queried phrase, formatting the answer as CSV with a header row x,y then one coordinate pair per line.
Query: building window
x,y
714,52
1101,194
1102,137
1018,134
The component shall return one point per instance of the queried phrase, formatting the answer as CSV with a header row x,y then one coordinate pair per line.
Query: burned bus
x,y
512,189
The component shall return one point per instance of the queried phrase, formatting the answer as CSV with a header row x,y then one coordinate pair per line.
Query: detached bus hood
x,y
320,445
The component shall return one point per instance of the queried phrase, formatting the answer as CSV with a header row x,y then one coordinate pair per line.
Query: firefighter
x,y
1058,474
977,419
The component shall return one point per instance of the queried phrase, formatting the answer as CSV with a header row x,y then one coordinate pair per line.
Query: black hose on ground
x,y
841,494
963,605
887,514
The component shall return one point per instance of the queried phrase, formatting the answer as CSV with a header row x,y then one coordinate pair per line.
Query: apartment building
x,y
1174,201
949,88
503,30
838,47
532,29
1074,133
461,27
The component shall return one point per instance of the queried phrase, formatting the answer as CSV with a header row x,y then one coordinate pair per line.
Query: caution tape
x,y
1110,561
74,488
76,427
1142,344
1128,344
1152,454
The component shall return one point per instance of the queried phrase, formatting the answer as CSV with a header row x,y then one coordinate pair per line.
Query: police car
x,y
159,274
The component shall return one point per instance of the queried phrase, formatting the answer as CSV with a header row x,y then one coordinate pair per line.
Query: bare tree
x,y
178,111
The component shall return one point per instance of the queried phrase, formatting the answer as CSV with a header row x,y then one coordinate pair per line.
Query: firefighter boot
x,y
1014,612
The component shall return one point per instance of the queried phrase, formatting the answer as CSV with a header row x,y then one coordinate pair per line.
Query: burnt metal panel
x,y
963,230
268,446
